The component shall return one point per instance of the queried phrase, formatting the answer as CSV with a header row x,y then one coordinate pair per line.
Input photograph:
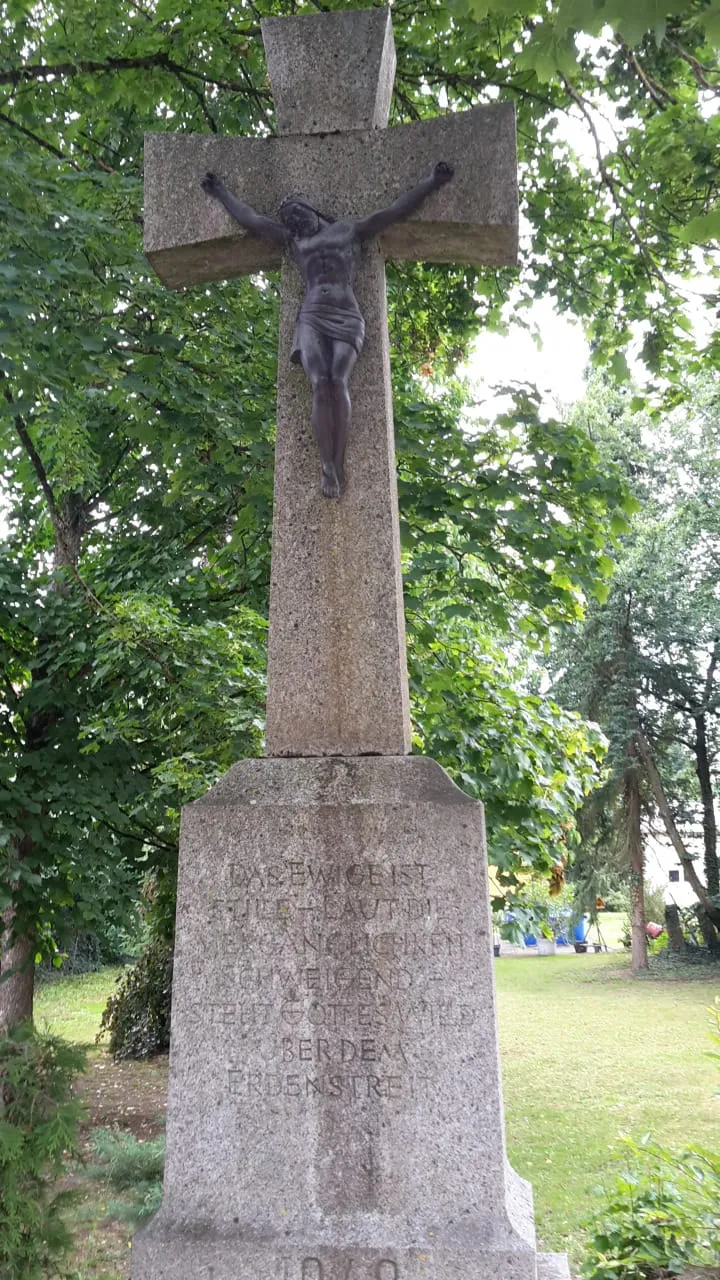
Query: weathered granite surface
x,y
331,71
335,1105
337,671
553,1266
190,239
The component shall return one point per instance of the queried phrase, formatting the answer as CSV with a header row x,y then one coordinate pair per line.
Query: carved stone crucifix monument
x,y
335,1108
337,680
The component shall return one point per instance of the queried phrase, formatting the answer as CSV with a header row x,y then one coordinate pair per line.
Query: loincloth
x,y
340,324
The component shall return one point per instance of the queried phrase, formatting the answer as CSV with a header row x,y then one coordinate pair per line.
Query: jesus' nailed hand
x,y
330,329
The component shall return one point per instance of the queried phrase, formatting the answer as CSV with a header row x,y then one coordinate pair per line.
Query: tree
x,y
125,492
528,760
644,662
641,79
599,676
137,424
681,567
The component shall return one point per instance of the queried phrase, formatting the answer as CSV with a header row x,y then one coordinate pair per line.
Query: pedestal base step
x,y
165,1253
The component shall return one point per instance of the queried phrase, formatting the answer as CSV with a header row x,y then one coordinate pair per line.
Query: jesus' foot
x,y
330,480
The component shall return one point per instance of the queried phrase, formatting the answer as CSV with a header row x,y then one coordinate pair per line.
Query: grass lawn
x,y
589,1054
128,1097
72,1007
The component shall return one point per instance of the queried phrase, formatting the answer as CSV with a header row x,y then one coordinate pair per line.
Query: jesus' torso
x,y
327,262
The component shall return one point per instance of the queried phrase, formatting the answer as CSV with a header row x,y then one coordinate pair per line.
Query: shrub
x,y
617,899
145,1203
39,1122
130,1165
124,1160
536,910
660,1218
88,952
137,1016
654,896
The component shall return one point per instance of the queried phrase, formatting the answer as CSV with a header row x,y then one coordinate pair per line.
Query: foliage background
x,y
137,425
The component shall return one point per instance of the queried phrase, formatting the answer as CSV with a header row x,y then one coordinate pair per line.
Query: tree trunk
x,y
707,929
68,513
702,768
636,862
676,941
691,875
17,991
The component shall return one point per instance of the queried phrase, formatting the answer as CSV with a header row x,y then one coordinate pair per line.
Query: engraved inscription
x,y
293,874
355,982
342,1050
343,1087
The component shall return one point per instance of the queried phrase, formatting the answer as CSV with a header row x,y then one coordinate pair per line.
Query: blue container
x,y
530,940
582,929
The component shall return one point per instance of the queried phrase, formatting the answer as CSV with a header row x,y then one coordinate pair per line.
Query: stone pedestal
x,y
335,1107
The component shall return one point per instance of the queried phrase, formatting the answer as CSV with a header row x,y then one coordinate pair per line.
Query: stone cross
x,y
337,677
335,1105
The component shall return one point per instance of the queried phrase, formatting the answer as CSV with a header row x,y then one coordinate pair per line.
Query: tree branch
x,y
657,92
12,708
710,676
107,486
656,786
198,93
97,604
612,185
55,151
10,689
148,838
35,459
35,137
43,71
698,68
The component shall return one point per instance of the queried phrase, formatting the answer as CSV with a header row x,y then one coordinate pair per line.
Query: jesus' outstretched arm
x,y
243,213
405,204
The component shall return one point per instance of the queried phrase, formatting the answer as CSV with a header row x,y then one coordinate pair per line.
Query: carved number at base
x,y
313,1269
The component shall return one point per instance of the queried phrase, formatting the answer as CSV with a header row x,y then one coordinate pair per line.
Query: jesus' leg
x,y
343,363
316,356
323,419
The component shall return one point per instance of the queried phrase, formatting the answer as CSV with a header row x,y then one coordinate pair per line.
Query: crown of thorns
x,y
299,198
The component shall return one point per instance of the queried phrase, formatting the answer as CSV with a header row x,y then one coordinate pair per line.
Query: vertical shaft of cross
x,y
337,675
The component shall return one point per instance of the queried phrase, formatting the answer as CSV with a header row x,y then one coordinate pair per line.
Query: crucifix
x,y
337,677
330,328
384,1033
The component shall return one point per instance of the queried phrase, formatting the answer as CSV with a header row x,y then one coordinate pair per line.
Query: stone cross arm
x,y
190,239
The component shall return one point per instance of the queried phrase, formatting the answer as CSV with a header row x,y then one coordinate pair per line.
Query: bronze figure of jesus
x,y
330,329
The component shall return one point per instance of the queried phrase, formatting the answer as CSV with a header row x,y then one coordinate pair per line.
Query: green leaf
x,y
701,229
618,366
710,19
549,51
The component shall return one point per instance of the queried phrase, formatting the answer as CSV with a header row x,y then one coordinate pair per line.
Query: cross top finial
x,y
350,54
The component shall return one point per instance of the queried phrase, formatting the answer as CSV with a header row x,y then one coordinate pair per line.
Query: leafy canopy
x,y
137,424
